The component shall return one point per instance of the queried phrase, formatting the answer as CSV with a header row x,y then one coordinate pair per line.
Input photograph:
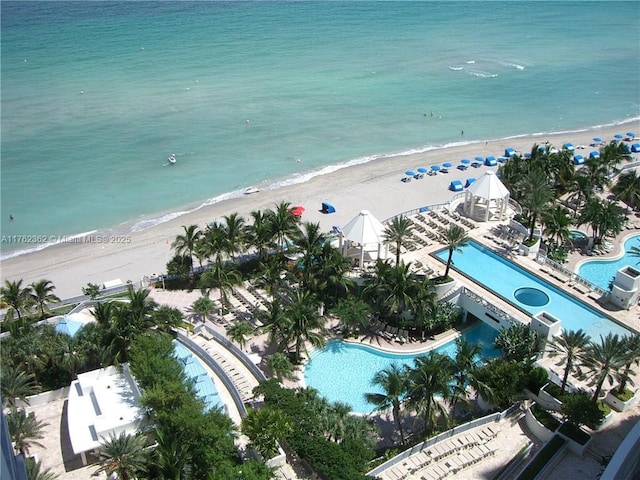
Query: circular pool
x,y
531,296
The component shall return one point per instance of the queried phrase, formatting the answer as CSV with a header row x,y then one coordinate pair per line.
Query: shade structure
x,y
569,147
469,181
366,230
594,154
479,159
618,136
456,186
635,148
631,135
509,152
597,139
578,160
435,168
465,161
410,173
447,165
490,161
487,198
328,208
422,170
297,211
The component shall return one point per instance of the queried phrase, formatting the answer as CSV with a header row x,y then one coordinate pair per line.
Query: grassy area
x,y
624,396
542,458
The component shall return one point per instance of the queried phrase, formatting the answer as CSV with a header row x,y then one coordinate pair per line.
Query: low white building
x,y
102,402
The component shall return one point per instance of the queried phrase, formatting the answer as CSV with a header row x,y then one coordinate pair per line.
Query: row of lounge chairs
x,y
447,457
240,381
388,332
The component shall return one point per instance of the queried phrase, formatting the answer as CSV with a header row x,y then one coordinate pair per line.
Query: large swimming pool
x,y
601,272
528,292
342,372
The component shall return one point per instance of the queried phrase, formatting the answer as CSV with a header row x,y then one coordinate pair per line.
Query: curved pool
x,y
342,371
601,272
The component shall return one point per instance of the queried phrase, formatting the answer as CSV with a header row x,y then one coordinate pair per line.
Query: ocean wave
x,y
455,68
482,74
52,240
470,62
513,65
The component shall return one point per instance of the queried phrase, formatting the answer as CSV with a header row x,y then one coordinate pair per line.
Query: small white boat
x,y
172,158
250,190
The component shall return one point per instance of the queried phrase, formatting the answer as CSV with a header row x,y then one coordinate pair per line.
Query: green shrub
x,y
623,396
545,418
574,432
538,376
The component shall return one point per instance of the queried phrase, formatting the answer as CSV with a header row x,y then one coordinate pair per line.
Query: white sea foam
x,y
455,68
513,65
480,74
51,241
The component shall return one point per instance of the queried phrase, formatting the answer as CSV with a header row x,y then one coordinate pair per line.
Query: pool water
x,y
506,279
601,272
342,372
577,235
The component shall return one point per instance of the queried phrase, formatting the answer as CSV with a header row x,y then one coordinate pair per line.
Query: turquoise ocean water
x,y
96,95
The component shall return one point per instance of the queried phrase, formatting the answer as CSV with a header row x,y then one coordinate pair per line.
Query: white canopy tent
x,y
487,198
365,230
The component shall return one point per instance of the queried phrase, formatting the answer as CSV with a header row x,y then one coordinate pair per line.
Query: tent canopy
x,y
489,186
364,229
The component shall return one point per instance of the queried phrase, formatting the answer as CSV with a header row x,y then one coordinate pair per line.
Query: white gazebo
x,y
487,198
366,231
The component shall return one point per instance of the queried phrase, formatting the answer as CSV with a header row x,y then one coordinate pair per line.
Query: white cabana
x,y
365,230
487,198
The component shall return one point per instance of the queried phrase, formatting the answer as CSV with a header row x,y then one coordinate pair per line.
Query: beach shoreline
x,y
374,186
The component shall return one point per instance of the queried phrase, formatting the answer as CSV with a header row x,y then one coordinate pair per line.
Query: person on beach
x,y
462,132
11,216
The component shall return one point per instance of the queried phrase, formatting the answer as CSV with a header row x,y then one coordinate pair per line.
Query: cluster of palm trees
x,y
540,182
20,300
432,387
612,358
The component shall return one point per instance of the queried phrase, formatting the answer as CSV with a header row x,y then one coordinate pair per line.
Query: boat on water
x,y
172,158
250,190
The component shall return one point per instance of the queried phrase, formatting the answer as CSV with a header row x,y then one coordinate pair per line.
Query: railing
x,y
492,418
426,208
489,306
574,277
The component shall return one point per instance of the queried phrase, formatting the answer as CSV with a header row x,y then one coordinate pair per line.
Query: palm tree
x,y
396,232
581,189
352,312
167,318
556,224
276,324
234,228
41,293
304,317
631,344
259,233
283,224
570,346
265,427
15,296
537,194
171,455
393,381
604,359
393,288
123,455
24,430
185,243
429,380
222,276
309,241
627,188
281,366
518,342
141,306
35,471
239,332
604,217
454,237
464,363
202,307
15,385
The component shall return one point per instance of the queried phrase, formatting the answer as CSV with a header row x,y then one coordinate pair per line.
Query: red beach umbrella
x,y
297,211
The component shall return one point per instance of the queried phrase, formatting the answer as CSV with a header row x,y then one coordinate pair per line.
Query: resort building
x,y
102,403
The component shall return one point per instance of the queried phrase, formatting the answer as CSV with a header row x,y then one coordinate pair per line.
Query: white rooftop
x,y
102,402
488,186
364,229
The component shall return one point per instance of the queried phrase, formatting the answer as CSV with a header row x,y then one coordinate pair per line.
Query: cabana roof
x,y
489,186
364,229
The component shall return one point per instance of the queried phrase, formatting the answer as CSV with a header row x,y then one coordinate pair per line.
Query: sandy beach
x,y
375,186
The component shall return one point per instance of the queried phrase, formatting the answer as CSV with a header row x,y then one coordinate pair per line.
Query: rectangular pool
x,y
527,292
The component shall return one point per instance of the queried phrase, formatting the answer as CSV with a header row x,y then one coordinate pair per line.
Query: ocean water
x,y
96,95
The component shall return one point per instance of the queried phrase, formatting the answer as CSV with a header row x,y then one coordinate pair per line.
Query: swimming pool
x,y
507,280
577,235
601,272
342,371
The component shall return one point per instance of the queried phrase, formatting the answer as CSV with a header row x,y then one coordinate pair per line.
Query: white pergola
x,y
487,198
365,230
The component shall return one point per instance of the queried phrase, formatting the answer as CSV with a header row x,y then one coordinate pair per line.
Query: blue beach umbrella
x,y
597,139
422,170
618,136
480,159
631,134
447,165
465,161
435,168
410,173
